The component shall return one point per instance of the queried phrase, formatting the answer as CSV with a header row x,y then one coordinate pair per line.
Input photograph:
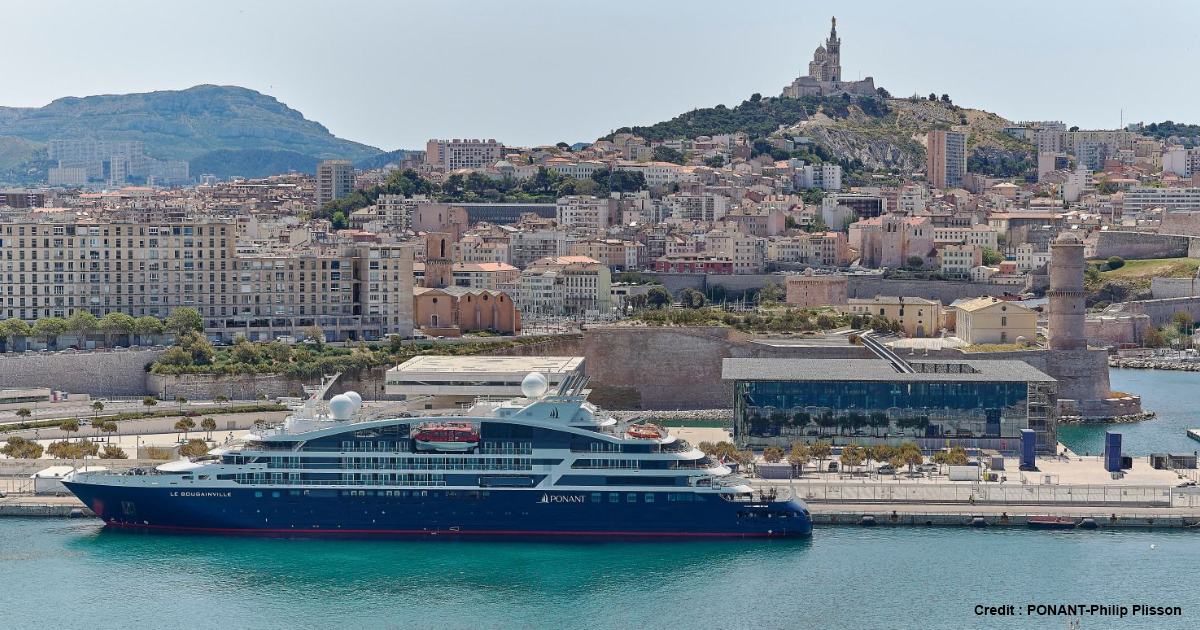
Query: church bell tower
x,y
834,49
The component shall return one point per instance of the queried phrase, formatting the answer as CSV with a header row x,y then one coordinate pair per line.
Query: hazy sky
x,y
526,72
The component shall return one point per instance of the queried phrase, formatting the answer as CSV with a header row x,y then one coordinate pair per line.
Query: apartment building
x,y
615,253
981,235
586,212
946,158
830,249
335,179
747,252
1181,161
527,246
51,269
957,261
1140,198
451,155
918,317
566,285
701,207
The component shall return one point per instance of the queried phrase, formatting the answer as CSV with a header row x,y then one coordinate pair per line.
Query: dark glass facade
x,y
984,414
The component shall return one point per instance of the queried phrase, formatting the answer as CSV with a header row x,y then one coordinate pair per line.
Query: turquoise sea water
x,y
68,574
1175,396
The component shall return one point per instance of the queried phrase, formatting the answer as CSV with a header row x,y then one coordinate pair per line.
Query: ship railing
x,y
337,482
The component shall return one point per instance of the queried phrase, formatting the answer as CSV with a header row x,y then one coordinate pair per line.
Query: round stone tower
x,y
1065,326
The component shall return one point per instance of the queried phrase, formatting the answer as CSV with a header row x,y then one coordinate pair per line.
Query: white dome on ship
x,y
341,407
534,385
355,398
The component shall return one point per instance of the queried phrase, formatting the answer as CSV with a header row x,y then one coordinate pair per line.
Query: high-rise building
x,y
946,158
450,155
118,170
335,179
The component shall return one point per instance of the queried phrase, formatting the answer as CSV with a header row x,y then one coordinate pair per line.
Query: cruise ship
x,y
548,463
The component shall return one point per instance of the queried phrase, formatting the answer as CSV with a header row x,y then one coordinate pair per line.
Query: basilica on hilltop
x,y
825,73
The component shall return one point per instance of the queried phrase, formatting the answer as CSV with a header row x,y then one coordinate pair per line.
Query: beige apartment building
x,y
335,179
51,269
988,320
917,316
451,155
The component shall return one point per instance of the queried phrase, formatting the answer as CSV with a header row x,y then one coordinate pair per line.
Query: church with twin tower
x,y
825,73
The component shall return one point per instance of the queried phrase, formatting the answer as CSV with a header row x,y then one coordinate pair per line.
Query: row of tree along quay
x,y
852,456
113,327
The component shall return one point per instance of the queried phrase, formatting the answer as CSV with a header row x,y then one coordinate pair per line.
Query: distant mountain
x,y
182,124
225,163
381,160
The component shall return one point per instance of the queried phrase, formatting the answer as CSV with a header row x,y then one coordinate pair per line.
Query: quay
x,y
1000,516
1194,434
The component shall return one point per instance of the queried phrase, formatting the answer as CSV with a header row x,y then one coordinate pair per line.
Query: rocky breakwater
x,y
1154,364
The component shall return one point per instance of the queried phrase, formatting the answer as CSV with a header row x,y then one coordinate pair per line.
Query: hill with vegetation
x,y
865,135
1118,280
176,125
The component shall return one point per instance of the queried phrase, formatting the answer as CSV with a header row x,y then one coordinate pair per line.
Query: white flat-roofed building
x,y
455,380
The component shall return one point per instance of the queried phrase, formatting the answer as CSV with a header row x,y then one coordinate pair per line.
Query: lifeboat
x,y
448,437
646,432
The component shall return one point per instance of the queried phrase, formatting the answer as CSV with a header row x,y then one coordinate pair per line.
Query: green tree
x,y
81,324
772,454
149,402
1153,338
18,447
667,154
799,456
147,326
113,325
1183,322
915,261
911,455
852,455
193,448
244,352
183,425
820,451
659,297
201,351
97,407
314,335
691,298
24,413
110,428
184,319
48,329
209,425
14,328
957,457
113,452
175,356
220,399
69,426
1115,262
991,257
772,292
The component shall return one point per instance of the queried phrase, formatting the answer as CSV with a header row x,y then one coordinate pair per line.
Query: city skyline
x,y
450,92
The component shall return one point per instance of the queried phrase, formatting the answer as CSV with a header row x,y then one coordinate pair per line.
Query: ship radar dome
x,y
355,398
534,385
341,407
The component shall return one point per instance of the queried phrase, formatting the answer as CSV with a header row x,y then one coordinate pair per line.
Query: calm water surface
x,y
1175,396
68,574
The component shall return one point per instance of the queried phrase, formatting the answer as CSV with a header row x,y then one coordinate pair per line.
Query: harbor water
x,y
1174,396
72,574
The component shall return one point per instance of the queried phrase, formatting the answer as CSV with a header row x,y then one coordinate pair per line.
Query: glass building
x,y
980,404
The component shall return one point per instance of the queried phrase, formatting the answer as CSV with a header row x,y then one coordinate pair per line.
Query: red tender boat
x,y
456,437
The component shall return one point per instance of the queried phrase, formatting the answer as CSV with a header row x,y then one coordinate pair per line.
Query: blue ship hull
x,y
494,513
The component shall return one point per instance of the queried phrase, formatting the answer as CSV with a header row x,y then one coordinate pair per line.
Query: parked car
x,y
886,469
3,494
833,466
928,468
192,414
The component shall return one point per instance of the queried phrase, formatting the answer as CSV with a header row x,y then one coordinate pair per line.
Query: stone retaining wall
x,y
108,373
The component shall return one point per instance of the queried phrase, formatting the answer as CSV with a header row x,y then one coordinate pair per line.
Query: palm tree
x,y
97,424
209,425
97,407
69,427
110,428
